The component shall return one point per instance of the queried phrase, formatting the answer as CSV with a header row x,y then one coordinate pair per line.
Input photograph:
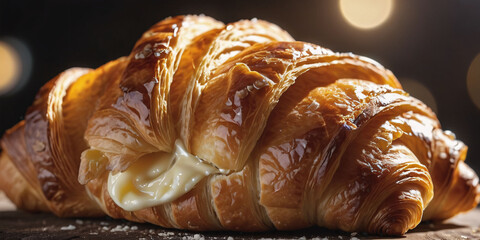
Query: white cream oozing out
x,y
158,178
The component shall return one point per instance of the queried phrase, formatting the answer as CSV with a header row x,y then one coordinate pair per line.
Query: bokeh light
x,y
473,81
9,67
15,65
419,91
366,14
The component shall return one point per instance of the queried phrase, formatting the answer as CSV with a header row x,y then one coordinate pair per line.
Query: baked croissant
x,y
206,126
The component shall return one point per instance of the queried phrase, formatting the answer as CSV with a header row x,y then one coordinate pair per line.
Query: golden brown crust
x,y
190,212
48,144
14,141
306,136
18,189
235,200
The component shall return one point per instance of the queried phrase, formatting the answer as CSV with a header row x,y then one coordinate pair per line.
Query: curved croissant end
x,y
206,126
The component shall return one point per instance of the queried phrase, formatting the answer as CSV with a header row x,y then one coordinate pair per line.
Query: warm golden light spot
x,y
366,14
419,91
473,81
10,67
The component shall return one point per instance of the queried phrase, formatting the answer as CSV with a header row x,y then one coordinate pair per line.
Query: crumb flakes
x,y
69,227
134,228
118,228
78,221
166,234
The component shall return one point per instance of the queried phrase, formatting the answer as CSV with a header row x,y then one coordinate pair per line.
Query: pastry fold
x,y
206,126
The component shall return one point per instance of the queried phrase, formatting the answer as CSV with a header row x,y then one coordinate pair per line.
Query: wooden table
x,y
21,225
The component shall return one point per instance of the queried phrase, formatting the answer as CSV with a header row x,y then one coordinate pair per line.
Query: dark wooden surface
x,y
22,225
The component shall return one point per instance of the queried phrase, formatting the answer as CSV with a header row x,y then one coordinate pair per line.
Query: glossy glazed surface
x,y
303,135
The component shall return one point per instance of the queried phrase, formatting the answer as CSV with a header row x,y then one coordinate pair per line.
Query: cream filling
x,y
158,178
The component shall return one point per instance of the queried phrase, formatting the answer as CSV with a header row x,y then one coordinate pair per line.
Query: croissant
x,y
206,126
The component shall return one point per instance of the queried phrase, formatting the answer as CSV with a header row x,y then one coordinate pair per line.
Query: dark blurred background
x,y
433,46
